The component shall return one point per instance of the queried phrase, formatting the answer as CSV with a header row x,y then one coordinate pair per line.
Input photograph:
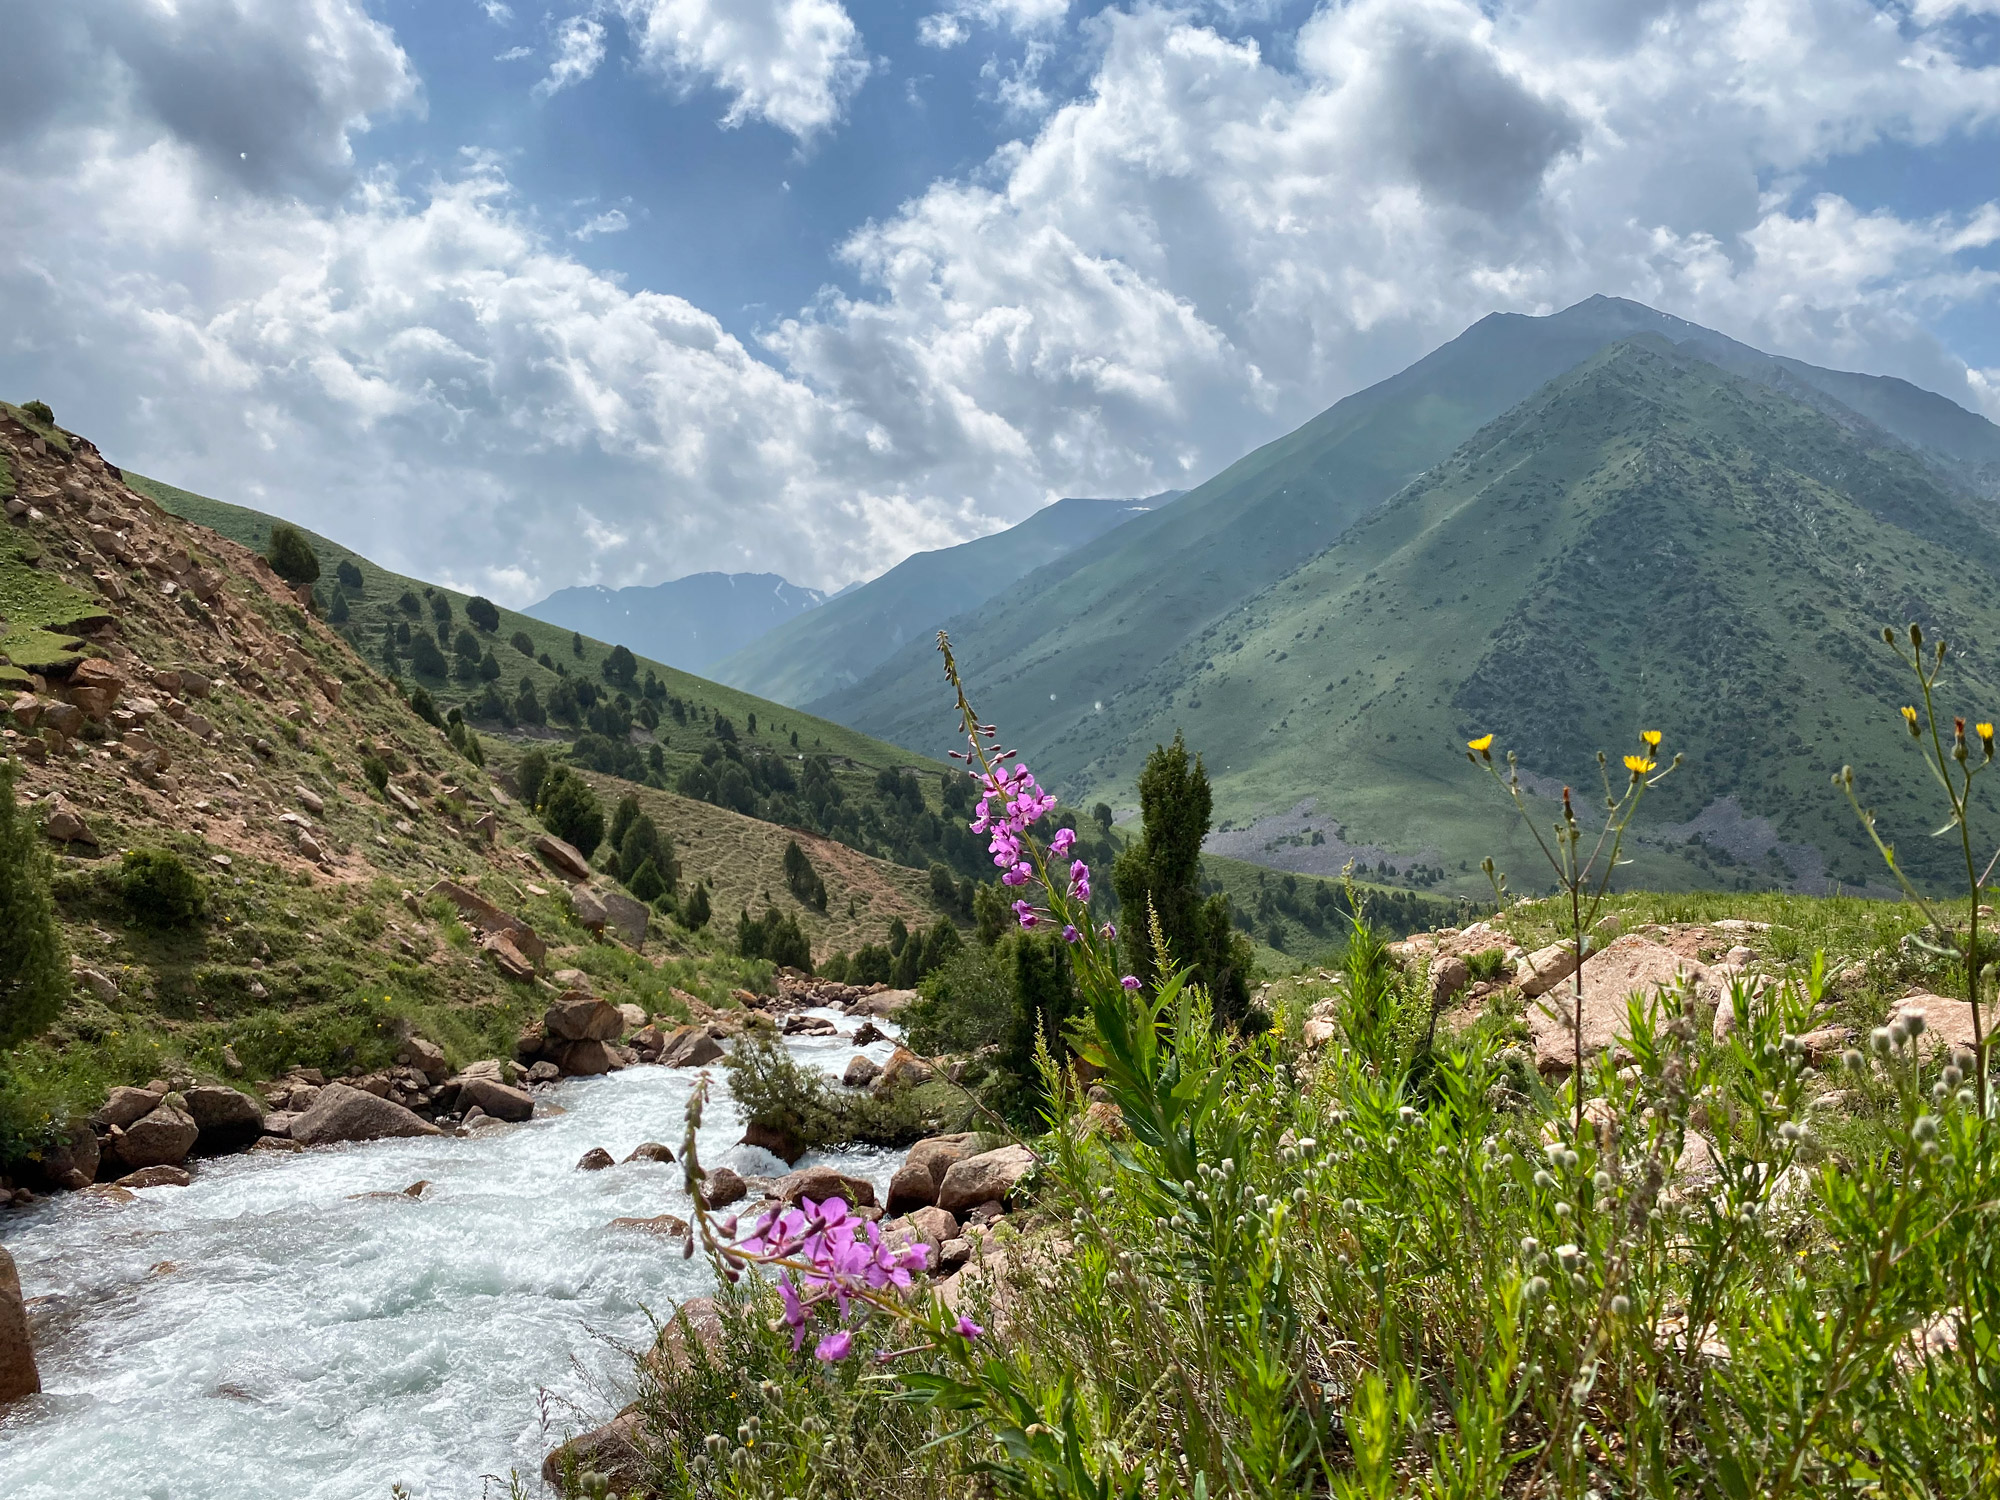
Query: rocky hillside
x,y
273,877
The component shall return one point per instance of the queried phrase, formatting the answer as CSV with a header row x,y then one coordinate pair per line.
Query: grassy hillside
x,y
845,639
1649,540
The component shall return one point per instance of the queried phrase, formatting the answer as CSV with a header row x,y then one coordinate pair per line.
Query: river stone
x,y
18,1376
596,1159
775,1139
579,1017
650,1151
162,1138
583,1059
861,1071
913,1186
611,1450
903,1067
341,1113
227,1119
821,1183
724,1186
696,1324
124,1106
147,1177
71,1163
986,1178
427,1058
690,1047
634,1016
499,1100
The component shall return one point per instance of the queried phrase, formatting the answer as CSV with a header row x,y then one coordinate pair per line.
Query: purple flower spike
x,y
1063,842
1026,913
1071,935
1130,981
834,1347
967,1328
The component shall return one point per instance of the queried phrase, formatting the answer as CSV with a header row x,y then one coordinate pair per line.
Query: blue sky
x,y
522,296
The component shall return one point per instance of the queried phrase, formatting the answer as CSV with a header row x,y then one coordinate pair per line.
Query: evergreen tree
x,y
466,646
646,883
425,658
527,707
483,613
489,667
349,576
621,667
570,810
522,642
530,774
292,557
422,705
34,973
1159,876
576,643
695,911
802,879
337,613
408,603
440,607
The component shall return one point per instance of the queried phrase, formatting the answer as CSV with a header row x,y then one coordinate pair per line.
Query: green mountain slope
x,y
1047,657
1648,540
839,643
876,797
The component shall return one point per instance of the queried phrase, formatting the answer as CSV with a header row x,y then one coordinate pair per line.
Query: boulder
x,y
650,1151
936,1154
904,1068
161,1138
882,1003
986,1178
775,1139
1628,965
669,1225
507,954
427,1058
587,909
913,1186
65,824
499,1100
228,1119
628,914
819,1183
147,1177
578,1017
1544,969
862,1070
18,1376
341,1113
596,1159
101,985
487,917
933,1226
1947,1023
611,1450
562,858
690,1047
583,1059
724,1186
695,1325
634,1016
1449,975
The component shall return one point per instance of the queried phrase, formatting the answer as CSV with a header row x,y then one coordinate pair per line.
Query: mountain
x,y
691,623
1648,540
858,629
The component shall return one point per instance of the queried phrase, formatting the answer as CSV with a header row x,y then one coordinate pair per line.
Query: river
x,y
264,1335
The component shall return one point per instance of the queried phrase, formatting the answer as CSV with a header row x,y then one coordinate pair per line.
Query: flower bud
x,y
1925,1128
1621,1306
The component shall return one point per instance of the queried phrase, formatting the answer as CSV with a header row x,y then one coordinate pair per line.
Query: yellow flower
x,y
1638,765
1984,731
1651,738
1483,744
1910,718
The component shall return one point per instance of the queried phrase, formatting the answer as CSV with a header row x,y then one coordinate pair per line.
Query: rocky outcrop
x,y
1629,965
225,1118
690,1047
986,1178
563,858
18,1375
483,914
1947,1023
341,1113
611,1450
161,1138
578,1017
629,915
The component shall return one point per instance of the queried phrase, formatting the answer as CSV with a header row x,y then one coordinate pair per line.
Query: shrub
x,y
440,606
965,1004
776,937
337,612
160,890
377,773
466,647
802,879
489,667
425,658
570,810
773,1089
349,575
646,883
483,613
291,556
34,975
695,910
422,705
622,668
40,411
530,774
522,642
409,604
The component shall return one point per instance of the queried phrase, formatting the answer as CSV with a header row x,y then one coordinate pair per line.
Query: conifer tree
x,y
34,974
292,557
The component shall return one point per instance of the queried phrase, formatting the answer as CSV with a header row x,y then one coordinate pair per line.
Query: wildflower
x,y
1079,881
1639,765
1018,875
1651,738
1071,935
1026,913
1063,842
1481,747
835,1346
1985,733
967,1328
1958,740
1130,981
1108,932
1910,721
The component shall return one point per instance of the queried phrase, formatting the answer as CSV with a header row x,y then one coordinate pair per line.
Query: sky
x,y
515,296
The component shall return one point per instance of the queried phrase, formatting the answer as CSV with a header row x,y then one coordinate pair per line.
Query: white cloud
x,y
611,221
579,53
953,24
515,54
791,63
497,13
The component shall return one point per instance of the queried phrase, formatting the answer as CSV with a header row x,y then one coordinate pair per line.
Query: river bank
x,y
265,1331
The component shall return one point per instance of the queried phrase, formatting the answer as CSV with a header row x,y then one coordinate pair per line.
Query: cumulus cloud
x,y
1195,254
611,221
579,53
953,24
791,63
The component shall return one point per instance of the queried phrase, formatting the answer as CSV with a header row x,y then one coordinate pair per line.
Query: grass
x,y
39,612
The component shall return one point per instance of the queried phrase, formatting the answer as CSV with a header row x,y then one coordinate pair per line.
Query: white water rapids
x,y
262,1335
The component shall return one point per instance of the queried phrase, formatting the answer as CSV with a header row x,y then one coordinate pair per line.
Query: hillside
x,y
850,636
1047,657
691,623
654,723
166,695
1649,539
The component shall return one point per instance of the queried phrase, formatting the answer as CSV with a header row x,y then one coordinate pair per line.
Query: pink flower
x,y
1108,932
1071,935
1026,913
967,1328
835,1346
1018,875
1130,982
1063,842
1079,881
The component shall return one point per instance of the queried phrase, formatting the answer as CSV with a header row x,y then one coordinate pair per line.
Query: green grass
x,y
37,607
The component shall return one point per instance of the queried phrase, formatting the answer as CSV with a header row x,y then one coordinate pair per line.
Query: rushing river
x,y
264,1335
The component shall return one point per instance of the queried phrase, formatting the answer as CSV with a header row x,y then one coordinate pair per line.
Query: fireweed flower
x,y
967,1328
1071,935
1065,840
1026,913
835,1346
1130,981
1079,881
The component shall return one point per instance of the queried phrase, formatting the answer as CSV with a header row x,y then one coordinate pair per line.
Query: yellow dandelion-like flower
x,y
1651,737
1483,744
1910,718
1638,765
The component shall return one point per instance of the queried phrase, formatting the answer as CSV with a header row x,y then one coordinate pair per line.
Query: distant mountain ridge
x,y
690,622
859,628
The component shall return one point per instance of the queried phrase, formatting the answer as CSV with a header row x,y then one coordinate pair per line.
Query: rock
x,y
65,824
953,1253
611,1450
913,1186
587,909
544,1072
227,1119
650,1151
882,1003
341,1113
100,985
1627,965
310,800
1545,968
1827,1043
496,1098
1947,1023
278,1125
986,1178
903,1069
18,1376
696,1326
583,1059
663,1224
578,1017
801,1025
147,1177
628,914
690,1047
596,1159
820,1183
723,1186
868,1033
1448,976
1698,1164
775,1139
862,1070
427,1058
162,1138
634,1016
562,858
933,1226
508,956
936,1154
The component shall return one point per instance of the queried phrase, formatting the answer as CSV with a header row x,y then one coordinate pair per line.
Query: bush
x,y
376,771
965,1004
530,774
423,706
338,613
40,411
160,890
425,658
570,810
489,667
483,613
409,604
291,556
522,642
34,975
775,1090
349,576
695,910
646,884
802,879
776,937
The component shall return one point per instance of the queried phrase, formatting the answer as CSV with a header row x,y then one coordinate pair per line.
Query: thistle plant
x,y
1583,879
1954,766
